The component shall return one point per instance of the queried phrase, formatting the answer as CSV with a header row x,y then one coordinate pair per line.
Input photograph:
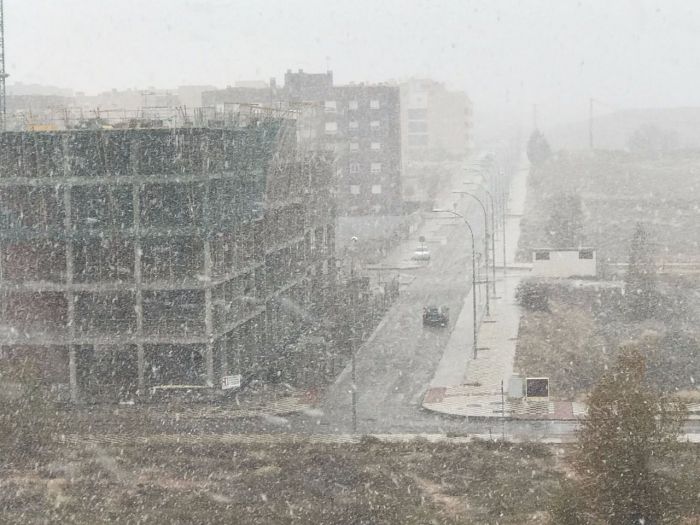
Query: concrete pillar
x,y
73,374
140,355
208,314
70,298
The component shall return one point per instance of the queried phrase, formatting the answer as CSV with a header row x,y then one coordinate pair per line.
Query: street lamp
x,y
493,235
353,251
486,246
471,232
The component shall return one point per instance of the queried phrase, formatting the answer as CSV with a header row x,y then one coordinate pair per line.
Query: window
x,y
376,188
585,254
355,189
418,126
352,104
354,167
376,167
376,146
329,146
331,128
418,140
353,124
307,133
417,114
330,106
374,124
354,146
374,104
542,256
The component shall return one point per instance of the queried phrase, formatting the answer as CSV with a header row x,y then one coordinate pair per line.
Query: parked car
x,y
436,316
421,254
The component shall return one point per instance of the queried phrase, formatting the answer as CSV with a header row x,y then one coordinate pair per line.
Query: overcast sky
x,y
505,54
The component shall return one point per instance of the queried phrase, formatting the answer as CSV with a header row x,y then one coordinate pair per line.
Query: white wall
x,y
563,263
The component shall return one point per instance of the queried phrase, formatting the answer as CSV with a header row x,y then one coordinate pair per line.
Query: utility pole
x,y
503,414
503,209
353,349
534,116
354,390
3,74
590,123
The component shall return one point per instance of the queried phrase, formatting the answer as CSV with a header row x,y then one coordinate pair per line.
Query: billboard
x,y
537,387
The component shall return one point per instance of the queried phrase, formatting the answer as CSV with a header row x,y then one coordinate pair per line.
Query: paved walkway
x,y
464,386
468,385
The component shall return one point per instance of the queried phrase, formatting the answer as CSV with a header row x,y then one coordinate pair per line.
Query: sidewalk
x,y
464,386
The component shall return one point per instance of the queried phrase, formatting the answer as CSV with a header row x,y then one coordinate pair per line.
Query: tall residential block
x,y
358,123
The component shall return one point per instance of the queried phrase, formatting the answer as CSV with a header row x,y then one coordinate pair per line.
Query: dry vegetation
x,y
370,482
577,338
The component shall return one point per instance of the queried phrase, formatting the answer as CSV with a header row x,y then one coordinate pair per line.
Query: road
x,y
395,366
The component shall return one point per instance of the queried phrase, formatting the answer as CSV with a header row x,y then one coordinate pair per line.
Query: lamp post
x,y
471,233
486,245
504,205
353,251
493,235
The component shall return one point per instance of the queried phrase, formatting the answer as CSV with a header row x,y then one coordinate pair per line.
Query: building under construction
x,y
135,258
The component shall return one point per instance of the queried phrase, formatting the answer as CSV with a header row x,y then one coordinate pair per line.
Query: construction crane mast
x,y
3,74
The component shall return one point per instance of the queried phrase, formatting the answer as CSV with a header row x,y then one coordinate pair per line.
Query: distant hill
x,y
613,130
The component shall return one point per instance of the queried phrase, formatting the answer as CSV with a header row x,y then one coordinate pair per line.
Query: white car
x,y
421,254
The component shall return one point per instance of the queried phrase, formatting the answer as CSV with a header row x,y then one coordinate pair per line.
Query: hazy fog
x,y
506,54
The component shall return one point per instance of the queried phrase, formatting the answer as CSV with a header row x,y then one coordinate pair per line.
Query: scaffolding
x,y
161,254
148,117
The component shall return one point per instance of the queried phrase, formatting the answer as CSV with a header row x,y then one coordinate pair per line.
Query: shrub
x,y
533,295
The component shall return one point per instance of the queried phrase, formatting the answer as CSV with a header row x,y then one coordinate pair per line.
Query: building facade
x,y
136,258
436,122
359,124
436,137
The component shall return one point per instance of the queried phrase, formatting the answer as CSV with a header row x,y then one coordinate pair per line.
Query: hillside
x,y
612,130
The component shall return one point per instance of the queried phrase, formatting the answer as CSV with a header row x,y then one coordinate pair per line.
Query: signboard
x,y
229,382
537,387
515,387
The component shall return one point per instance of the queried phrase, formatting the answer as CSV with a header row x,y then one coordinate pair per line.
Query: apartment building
x,y
358,123
436,122
135,258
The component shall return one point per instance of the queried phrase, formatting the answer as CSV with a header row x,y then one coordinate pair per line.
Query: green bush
x,y
533,295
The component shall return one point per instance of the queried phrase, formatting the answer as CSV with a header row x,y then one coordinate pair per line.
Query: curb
x,y
496,417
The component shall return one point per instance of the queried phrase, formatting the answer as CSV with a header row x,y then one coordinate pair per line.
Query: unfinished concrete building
x,y
143,257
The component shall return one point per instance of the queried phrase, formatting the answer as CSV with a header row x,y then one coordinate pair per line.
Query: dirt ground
x,y
370,482
576,339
